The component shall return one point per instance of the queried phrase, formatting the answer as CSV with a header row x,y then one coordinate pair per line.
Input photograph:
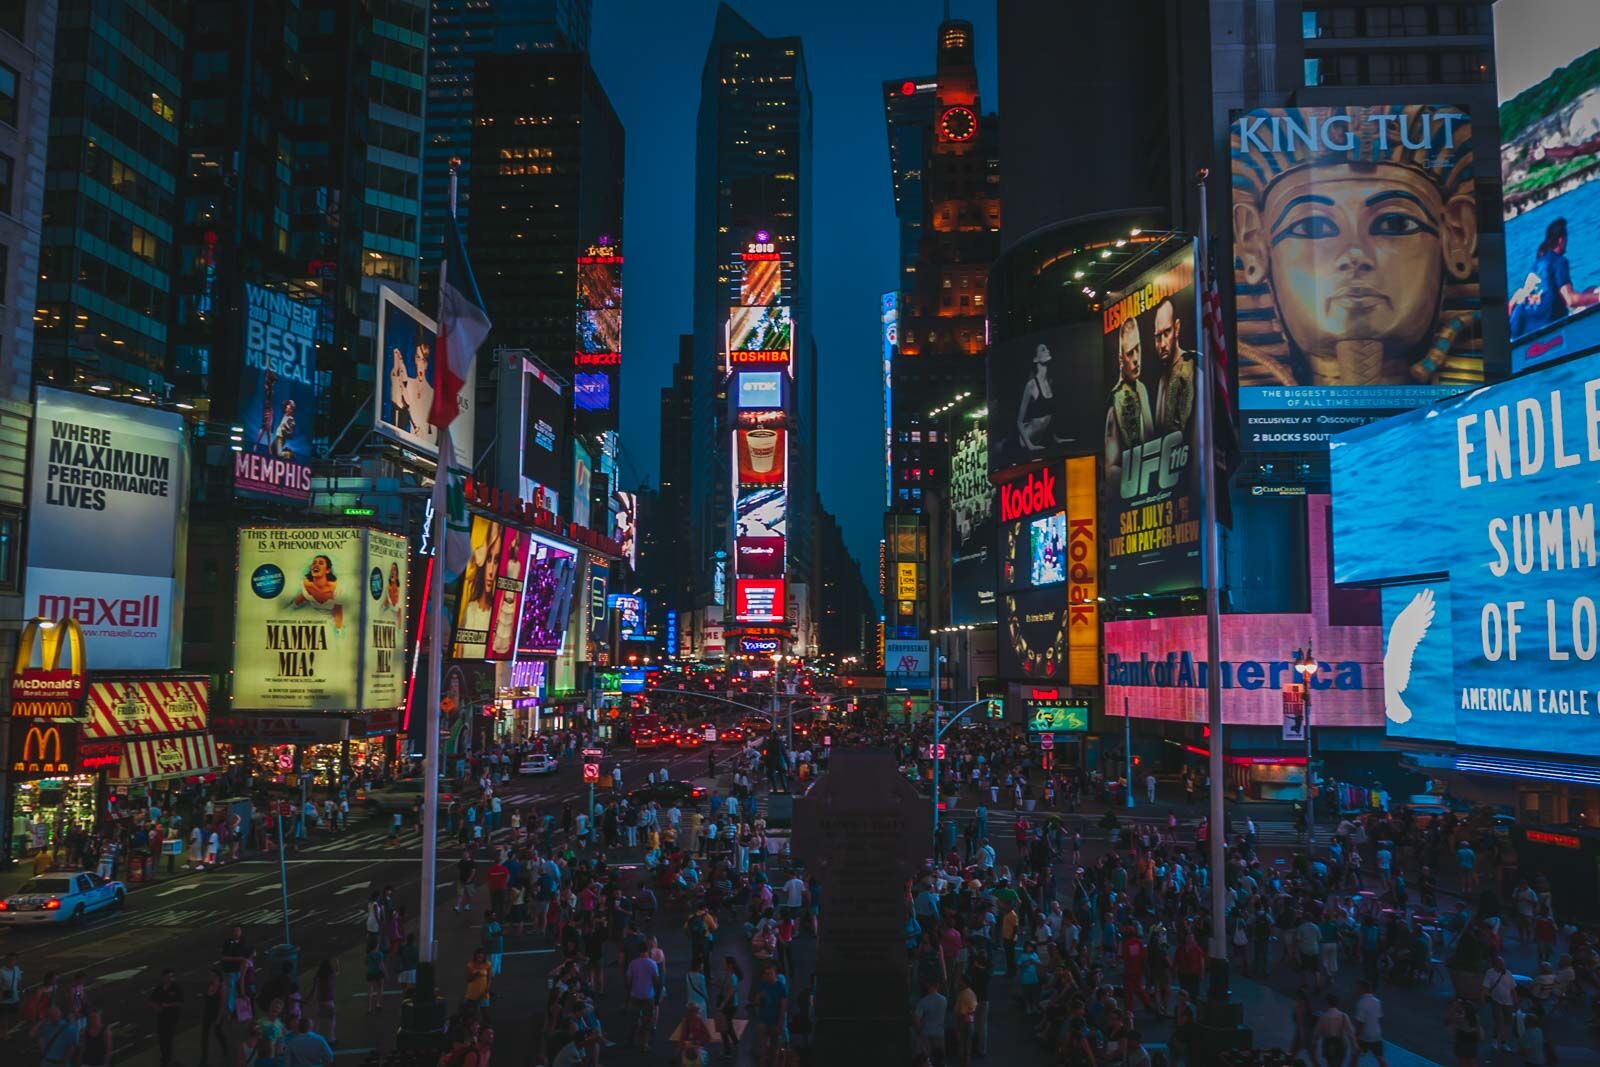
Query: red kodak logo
x,y
1036,493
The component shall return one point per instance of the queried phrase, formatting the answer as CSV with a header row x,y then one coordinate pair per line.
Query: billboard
x,y
1547,61
627,520
108,495
760,390
763,456
547,597
591,391
405,348
1033,634
1150,478
504,616
759,335
599,333
319,620
758,600
758,557
1503,543
761,282
1042,390
907,664
972,560
277,395
582,483
544,423
629,612
1355,266
762,513
476,600
1083,573
1047,550
905,581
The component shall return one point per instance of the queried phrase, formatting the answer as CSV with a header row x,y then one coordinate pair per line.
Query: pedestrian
x,y
212,1007
494,942
325,995
771,1007
409,955
56,1037
166,1003
728,1006
10,985
1369,1026
94,1043
1150,788
1500,989
307,1048
374,979
1467,1032
1334,1035
928,1020
466,882
479,976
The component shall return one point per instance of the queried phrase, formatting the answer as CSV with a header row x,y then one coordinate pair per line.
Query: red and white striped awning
x,y
156,759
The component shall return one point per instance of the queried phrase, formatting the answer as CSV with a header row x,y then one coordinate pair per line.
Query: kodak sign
x,y
1032,494
50,690
1083,573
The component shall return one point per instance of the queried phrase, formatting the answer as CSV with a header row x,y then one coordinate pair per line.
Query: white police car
x,y
538,763
60,896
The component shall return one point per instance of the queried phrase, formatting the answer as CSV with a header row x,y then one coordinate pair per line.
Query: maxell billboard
x,y
108,503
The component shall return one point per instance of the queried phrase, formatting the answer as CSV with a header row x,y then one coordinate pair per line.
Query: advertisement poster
x,y
544,422
762,513
383,657
759,557
475,603
1083,573
759,335
1547,61
972,559
600,331
1033,634
1509,522
547,597
758,600
406,339
760,390
760,282
905,581
582,484
277,394
1150,480
1355,266
508,586
108,495
318,626
1042,396
627,613
627,531
591,391
763,456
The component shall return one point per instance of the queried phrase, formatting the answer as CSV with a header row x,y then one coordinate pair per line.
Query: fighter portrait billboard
x,y
1150,484
277,395
1042,396
1355,266
1547,62
405,348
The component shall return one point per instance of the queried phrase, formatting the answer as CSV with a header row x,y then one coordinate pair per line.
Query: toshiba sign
x,y
1031,494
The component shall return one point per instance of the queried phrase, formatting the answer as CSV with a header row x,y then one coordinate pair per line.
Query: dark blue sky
x,y
649,55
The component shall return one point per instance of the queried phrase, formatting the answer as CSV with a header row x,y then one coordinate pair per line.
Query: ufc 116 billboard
x,y
107,525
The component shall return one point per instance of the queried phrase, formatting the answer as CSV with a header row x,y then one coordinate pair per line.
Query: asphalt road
x,y
180,921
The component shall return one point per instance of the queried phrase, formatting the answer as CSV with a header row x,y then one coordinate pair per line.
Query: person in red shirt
x,y
498,877
1189,962
1133,966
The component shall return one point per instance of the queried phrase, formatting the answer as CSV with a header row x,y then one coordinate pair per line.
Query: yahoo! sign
x,y
1032,494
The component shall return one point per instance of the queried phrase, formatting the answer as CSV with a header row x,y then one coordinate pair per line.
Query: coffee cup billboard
x,y
1355,266
763,456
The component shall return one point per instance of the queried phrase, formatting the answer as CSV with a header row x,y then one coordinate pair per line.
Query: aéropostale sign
x,y
107,507
1508,518
320,619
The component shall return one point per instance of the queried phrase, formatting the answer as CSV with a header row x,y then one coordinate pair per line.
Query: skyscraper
x,y
460,31
753,178
909,108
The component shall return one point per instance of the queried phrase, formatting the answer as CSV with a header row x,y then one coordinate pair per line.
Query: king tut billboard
x,y
1355,233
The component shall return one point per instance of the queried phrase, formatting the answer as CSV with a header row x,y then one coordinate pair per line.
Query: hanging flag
x,y
1225,424
463,324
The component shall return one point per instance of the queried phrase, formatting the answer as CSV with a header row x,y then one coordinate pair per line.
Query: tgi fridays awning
x,y
167,757
131,707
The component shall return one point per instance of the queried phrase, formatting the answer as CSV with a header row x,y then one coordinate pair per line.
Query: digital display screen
x,y
758,600
546,598
600,331
591,391
762,513
1047,537
760,390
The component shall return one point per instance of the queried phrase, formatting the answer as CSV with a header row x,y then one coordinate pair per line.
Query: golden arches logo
x,y
49,681
43,750
38,741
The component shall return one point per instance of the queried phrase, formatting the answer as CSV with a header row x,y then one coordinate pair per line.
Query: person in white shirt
x,y
794,895
1369,1026
986,855
1500,988
10,982
616,776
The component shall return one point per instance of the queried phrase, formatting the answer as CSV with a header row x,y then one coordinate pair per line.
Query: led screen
x,y
547,598
1047,539
761,282
600,331
759,557
763,456
591,391
762,513
760,390
759,329
758,600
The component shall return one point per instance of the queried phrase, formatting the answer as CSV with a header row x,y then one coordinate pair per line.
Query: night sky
x,y
649,56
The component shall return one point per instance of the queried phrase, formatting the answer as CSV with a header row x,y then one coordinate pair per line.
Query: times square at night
x,y
1080,550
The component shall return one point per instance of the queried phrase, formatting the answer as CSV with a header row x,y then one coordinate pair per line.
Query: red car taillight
x,y
4,906
52,904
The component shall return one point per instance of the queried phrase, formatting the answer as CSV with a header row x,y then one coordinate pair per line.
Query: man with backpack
x,y
57,1038
702,928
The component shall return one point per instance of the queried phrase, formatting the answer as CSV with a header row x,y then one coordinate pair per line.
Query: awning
x,y
167,757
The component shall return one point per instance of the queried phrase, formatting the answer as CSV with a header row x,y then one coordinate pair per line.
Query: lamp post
x,y
1305,665
938,658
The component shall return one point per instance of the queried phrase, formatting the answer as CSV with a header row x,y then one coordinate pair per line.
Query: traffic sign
x,y
286,809
933,751
591,772
592,753
710,733
1047,741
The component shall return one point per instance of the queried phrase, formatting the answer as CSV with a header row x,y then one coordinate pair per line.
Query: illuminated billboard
x,y
1547,60
1500,552
972,558
762,455
1043,397
1047,543
760,282
405,349
760,390
1355,235
591,391
626,525
1150,479
547,597
507,593
758,600
629,612
475,604
277,395
758,557
319,621
762,513
600,331
759,335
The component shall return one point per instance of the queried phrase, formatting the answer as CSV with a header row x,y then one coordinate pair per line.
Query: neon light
x,y
416,652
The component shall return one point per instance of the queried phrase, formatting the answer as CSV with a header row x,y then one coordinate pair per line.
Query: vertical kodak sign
x,y
1083,574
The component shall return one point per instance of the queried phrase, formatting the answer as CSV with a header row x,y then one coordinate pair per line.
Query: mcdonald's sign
x,y
49,690
42,749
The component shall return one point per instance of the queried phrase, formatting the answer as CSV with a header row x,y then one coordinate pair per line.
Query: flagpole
x,y
1205,398
427,1014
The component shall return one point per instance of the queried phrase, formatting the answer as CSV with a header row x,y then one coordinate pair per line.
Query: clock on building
x,y
957,124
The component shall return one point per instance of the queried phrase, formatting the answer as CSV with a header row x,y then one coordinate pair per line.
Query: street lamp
x,y
1305,665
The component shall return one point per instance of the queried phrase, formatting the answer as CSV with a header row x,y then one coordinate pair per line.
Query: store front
x,y
157,729
275,750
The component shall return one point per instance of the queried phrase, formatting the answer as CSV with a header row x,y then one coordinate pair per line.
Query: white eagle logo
x,y
1405,634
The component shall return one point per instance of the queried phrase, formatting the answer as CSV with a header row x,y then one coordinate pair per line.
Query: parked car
x,y
538,763
405,795
61,896
683,794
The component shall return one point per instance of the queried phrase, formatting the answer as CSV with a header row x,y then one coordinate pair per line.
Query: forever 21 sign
x,y
1032,494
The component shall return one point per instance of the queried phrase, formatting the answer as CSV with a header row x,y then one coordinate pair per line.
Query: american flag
x,y
1225,425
